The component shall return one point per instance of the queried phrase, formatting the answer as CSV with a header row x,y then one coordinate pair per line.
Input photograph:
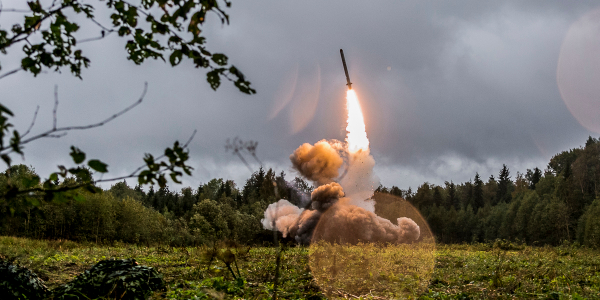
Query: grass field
x,y
459,271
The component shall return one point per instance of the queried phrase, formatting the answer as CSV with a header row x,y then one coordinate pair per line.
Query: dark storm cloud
x,y
470,85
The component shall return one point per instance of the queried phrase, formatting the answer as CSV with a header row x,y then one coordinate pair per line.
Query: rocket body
x,y
349,84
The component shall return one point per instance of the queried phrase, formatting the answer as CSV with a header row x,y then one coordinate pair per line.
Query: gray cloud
x,y
471,85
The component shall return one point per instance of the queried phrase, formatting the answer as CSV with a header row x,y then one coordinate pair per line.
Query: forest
x,y
551,207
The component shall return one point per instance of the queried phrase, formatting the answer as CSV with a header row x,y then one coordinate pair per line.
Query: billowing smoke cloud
x,y
346,223
338,212
325,196
319,163
281,216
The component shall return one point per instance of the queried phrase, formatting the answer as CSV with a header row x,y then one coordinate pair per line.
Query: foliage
x,y
213,211
555,211
154,29
20,283
112,278
589,228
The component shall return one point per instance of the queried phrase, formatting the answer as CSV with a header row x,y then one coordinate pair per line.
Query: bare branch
x,y
55,107
243,160
2,9
250,146
104,33
91,39
237,146
14,10
135,172
69,128
53,4
10,73
102,26
190,139
32,122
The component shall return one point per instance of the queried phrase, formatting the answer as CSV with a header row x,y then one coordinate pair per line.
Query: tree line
x,y
217,210
536,207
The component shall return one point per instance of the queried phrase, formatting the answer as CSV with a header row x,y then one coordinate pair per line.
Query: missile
x,y
349,84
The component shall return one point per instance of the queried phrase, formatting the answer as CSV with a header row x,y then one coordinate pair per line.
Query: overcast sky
x,y
448,89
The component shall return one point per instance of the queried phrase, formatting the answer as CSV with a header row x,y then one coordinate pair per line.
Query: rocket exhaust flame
x,y
356,130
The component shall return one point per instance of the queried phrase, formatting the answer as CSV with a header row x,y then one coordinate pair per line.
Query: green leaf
x,y
53,177
162,182
124,30
15,143
214,79
6,159
78,155
35,7
3,109
98,166
175,57
79,198
219,59
174,176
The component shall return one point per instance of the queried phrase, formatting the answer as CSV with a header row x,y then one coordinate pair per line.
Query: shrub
x,y
121,279
20,283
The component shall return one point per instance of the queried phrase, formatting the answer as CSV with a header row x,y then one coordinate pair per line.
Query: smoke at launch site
x,y
339,218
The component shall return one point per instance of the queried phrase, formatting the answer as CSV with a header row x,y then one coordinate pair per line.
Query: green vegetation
x,y
479,271
211,212
536,208
544,209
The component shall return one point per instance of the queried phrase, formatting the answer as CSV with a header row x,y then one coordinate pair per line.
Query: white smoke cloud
x,y
280,216
359,181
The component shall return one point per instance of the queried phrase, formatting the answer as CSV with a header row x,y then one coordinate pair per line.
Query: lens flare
x,y
356,132
345,263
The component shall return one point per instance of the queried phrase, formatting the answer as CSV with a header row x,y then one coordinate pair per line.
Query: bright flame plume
x,y
356,132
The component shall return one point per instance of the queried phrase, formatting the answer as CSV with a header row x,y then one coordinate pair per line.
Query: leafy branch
x,y
179,21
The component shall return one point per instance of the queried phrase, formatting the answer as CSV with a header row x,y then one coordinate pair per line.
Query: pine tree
x,y
477,193
533,177
504,186
437,196
451,198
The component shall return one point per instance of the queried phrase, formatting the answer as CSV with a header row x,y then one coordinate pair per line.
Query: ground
x,y
479,271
